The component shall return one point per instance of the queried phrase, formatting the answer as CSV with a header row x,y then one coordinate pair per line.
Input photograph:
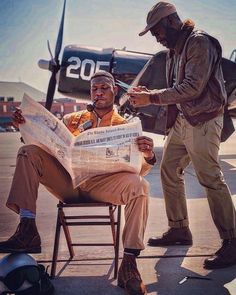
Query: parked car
x,y
11,129
2,129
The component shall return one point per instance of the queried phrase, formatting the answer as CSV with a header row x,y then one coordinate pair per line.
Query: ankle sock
x,y
25,213
134,252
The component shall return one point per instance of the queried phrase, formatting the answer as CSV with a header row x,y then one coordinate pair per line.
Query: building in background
x,y
11,94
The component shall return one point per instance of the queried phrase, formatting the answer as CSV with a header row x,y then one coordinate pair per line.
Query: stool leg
x,y
112,221
67,233
117,241
56,245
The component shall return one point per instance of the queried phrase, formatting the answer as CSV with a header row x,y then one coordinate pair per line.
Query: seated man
x,y
35,166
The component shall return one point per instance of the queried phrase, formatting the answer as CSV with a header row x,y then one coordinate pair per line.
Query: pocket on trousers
x,y
213,128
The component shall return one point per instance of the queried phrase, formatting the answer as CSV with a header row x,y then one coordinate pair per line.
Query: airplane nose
x,y
44,64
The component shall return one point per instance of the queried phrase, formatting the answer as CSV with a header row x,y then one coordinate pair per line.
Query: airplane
x,y
129,68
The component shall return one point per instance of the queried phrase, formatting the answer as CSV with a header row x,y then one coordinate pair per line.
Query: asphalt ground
x,y
162,268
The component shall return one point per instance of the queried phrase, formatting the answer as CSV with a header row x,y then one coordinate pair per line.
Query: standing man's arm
x,y
202,56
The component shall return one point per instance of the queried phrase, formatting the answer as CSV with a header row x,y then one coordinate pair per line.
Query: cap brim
x,y
148,28
145,31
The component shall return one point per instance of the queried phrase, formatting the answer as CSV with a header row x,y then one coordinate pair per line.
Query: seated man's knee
x,y
137,185
27,149
31,152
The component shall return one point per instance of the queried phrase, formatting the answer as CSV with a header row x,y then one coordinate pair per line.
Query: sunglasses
x,y
16,278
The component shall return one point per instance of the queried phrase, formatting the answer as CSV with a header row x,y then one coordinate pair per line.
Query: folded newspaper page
x,y
94,152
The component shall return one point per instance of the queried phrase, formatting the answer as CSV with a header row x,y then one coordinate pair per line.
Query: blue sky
x,y
26,25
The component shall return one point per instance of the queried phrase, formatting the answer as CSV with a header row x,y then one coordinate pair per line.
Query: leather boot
x,y
224,257
129,277
173,237
26,239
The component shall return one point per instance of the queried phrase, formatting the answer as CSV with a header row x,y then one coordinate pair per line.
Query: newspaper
x,y
94,152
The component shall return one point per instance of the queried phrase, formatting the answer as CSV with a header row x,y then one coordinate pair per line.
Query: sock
x,y
134,252
25,213
127,253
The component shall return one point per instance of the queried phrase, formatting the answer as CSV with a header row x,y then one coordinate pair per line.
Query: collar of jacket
x,y
186,30
104,121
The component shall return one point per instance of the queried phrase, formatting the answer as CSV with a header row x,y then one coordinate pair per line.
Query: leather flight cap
x,y
158,12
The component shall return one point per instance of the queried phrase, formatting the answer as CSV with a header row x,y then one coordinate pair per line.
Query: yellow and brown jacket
x,y
74,120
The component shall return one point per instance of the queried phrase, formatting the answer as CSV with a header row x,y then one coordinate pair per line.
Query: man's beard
x,y
172,35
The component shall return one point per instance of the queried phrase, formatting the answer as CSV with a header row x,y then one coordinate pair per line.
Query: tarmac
x,y
162,268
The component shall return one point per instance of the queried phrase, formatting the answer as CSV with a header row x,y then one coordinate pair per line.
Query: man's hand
x,y
139,96
17,118
145,145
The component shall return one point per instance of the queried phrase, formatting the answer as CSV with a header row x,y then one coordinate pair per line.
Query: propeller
x,y
53,65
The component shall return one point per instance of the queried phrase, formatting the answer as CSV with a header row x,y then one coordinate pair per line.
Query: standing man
x,y
195,98
35,166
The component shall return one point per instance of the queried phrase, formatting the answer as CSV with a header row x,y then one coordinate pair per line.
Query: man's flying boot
x,y
26,239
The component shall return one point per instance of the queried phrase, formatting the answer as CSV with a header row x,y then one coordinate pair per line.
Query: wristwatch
x,y
151,161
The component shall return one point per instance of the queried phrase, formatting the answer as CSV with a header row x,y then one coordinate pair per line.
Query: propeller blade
x,y
55,66
60,34
51,90
49,49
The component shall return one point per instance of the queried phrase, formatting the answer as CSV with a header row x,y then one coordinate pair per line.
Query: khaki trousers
x,y
199,144
35,166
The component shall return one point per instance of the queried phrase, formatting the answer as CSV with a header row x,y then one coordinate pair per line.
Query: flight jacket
x,y
199,83
74,120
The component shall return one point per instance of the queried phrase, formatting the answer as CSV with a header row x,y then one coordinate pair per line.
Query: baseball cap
x,y
158,12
